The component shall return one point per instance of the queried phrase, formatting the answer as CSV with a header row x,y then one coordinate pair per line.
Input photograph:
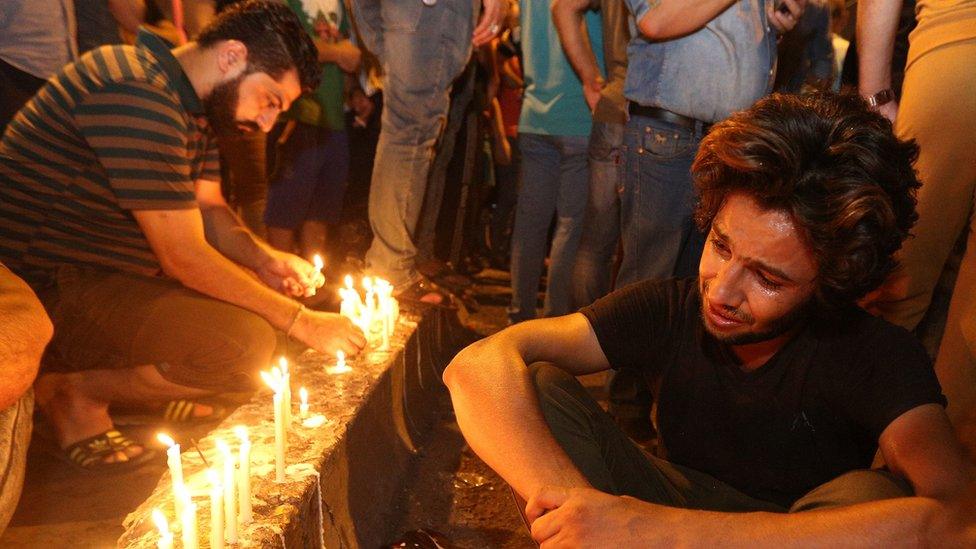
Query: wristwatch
x,y
884,96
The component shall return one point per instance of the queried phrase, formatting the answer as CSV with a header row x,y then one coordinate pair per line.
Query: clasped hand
x,y
584,517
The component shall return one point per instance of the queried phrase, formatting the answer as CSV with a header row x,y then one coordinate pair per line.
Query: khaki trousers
x,y
938,110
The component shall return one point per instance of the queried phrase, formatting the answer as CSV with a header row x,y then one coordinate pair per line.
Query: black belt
x,y
663,114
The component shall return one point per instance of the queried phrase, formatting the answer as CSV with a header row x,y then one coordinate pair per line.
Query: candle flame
x,y
348,281
270,381
222,447
213,478
283,363
340,357
166,439
160,519
367,283
241,432
319,263
303,395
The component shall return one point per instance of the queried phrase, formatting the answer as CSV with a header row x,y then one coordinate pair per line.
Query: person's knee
x,y
854,487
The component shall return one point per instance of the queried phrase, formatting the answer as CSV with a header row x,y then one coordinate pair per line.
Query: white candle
x,y
165,536
230,493
244,476
279,439
303,406
368,309
286,391
216,511
175,464
189,521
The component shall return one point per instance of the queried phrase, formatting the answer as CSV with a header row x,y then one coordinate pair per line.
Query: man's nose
x,y
725,288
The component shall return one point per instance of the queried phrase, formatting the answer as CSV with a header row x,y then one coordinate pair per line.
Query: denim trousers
x,y
657,201
422,49
601,223
554,180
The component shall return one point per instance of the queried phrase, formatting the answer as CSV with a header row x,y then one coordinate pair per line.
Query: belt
x,y
663,114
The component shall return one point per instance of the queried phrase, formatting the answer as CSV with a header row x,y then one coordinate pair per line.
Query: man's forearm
x,y
497,409
228,235
877,22
899,522
209,272
567,15
667,19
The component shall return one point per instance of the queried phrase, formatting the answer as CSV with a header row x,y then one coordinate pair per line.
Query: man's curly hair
x,y
834,166
275,39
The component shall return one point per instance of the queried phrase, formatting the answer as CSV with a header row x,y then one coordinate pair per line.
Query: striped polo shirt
x,y
119,130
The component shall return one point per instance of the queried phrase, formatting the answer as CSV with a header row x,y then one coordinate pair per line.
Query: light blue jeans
x,y
554,180
601,224
422,50
659,236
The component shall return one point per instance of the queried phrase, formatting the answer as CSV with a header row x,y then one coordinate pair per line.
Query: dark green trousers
x,y
614,464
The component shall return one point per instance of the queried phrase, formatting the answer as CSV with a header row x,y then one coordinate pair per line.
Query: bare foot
x,y
74,415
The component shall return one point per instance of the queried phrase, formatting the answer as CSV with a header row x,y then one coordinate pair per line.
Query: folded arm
x,y
496,405
567,16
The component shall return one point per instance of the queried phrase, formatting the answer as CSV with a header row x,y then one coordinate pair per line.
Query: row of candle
x,y
375,313
230,494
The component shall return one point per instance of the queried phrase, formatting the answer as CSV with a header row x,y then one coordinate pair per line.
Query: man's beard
x,y
221,108
776,328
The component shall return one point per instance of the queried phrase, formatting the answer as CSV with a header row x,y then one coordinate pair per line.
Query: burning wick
x,y
341,367
303,406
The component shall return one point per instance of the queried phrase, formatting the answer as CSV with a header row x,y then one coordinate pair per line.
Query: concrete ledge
x,y
341,476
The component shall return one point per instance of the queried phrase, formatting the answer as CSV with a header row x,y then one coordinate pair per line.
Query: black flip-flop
x,y
89,454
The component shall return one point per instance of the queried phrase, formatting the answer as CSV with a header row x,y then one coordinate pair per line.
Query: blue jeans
x,y
422,49
601,224
554,180
657,201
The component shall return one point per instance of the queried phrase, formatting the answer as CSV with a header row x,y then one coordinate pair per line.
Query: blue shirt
x,y
723,67
553,103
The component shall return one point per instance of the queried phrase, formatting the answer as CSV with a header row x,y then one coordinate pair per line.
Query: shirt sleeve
x,y
630,323
139,137
890,375
638,8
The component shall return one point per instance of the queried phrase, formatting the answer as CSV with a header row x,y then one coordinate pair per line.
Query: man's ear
x,y
231,58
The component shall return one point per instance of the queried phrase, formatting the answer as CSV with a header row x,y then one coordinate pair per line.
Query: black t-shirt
x,y
814,411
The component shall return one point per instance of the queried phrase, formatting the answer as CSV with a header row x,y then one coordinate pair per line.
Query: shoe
x,y
425,291
175,412
89,454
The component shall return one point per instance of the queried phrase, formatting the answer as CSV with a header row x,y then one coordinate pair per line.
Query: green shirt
x,y
553,103
324,106
119,130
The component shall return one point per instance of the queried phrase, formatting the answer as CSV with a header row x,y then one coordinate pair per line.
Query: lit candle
x,y
165,536
286,390
279,439
303,406
175,468
340,367
319,264
230,493
216,511
244,476
189,521
367,309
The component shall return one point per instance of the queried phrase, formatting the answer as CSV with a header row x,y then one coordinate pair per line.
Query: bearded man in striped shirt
x,y
110,208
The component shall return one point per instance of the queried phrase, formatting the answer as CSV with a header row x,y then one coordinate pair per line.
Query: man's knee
x,y
854,487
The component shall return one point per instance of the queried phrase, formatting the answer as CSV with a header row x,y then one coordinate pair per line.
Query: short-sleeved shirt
x,y
121,129
814,411
553,103
325,106
723,67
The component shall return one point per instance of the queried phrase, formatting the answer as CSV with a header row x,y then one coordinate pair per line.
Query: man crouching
x,y
774,389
